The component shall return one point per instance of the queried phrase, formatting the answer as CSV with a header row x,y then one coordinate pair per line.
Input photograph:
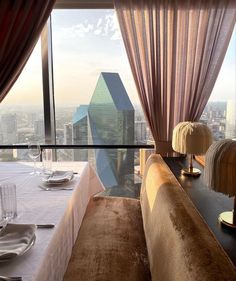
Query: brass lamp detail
x,y
193,138
220,174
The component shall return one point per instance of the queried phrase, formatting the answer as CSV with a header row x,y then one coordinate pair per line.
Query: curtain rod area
x,y
83,4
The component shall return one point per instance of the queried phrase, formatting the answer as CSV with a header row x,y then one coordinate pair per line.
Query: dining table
x,y
48,258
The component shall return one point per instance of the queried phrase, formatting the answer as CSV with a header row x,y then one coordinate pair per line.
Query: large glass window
x,y
21,112
95,96
96,99
220,112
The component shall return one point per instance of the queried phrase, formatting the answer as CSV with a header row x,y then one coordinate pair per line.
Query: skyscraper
x,y
67,133
230,131
109,119
39,129
80,132
9,128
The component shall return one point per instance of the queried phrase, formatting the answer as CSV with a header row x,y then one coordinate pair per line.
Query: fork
x,y
5,278
54,189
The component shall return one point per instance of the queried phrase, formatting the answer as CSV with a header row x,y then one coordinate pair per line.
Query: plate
x,y
16,240
30,245
57,178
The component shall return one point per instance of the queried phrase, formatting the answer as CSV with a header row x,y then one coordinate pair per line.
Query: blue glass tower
x,y
108,119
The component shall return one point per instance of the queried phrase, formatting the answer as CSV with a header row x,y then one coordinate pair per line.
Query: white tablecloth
x,y
49,257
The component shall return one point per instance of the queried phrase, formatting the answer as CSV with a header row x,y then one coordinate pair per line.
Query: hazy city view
x,y
96,101
20,125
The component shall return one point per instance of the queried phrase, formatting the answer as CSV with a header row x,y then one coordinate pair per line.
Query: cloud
x,y
107,25
111,27
100,20
97,31
116,35
79,29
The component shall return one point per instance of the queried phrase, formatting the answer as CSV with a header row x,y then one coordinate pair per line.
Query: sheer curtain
x,y
175,49
21,22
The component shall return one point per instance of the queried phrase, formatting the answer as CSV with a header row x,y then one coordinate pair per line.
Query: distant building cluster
x,y
109,118
20,127
221,119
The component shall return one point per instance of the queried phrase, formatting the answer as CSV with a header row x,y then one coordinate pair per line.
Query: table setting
x,y
35,221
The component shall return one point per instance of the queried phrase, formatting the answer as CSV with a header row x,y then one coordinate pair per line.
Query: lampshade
x,y
220,167
220,173
191,138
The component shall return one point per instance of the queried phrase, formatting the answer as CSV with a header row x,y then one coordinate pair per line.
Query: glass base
x,y
35,173
227,218
9,215
194,172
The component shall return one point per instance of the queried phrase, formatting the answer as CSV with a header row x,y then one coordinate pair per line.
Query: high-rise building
x,y
141,132
39,129
67,133
9,128
80,132
108,119
230,131
111,121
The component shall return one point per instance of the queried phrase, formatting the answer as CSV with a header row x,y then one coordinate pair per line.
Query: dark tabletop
x,y
208,202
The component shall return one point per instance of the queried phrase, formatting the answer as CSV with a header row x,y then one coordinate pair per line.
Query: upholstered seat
x,y
111,243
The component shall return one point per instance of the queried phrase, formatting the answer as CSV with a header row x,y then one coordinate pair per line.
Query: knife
x,y
48,225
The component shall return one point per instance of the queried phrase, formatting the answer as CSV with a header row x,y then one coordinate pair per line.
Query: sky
x,y
84,45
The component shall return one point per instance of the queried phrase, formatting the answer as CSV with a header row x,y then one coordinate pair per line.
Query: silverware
x,y
5,278
47,188
48,225
44,225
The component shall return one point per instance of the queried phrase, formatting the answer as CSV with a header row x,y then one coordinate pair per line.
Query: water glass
x,y
34,152
47,161
8,200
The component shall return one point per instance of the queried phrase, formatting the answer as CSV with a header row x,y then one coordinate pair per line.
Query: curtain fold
x,y
21,23
175,49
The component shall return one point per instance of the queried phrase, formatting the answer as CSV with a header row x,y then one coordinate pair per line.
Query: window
x,y
21,112
96,101
220,112
95,95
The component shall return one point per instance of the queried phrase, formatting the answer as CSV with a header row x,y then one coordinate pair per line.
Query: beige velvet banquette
x,y
160,237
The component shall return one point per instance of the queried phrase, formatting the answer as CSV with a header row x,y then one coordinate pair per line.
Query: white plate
x,y
30,245
48,180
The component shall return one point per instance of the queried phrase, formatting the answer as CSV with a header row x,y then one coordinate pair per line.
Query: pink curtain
x,y
175,49
21,22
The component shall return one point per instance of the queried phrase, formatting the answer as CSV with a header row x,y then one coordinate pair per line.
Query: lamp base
x,y
227,218
192,172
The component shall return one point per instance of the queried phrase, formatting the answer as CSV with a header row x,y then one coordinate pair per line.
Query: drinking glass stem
x,y
34,166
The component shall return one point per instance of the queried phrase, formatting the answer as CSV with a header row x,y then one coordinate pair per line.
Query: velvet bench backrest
x,y
180,245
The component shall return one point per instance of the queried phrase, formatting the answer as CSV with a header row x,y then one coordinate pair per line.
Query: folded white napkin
x,y
59,177
15,238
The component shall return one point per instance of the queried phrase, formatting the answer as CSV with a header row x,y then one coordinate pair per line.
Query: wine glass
x,y
34,151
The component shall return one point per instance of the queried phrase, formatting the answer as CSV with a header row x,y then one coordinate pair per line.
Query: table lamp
x,y
191,138
220,174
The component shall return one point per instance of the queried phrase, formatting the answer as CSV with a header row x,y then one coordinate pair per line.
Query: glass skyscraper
x,y
110,120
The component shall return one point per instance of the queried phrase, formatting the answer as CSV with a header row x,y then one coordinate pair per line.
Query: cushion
x,y
110,244
180,245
